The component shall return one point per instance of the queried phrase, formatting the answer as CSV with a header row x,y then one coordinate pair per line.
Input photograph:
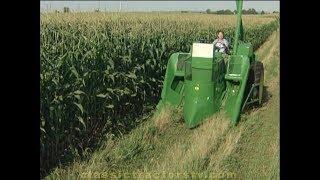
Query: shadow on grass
x,y
266,95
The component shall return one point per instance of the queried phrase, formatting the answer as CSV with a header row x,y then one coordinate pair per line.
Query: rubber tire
x,y
258,77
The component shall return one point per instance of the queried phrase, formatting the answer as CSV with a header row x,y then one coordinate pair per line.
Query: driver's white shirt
x,y
220,45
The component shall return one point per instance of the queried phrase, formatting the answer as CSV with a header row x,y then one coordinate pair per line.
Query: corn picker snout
x,y
205,82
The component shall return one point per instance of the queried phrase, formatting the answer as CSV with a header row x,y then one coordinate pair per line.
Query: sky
x,y
157,5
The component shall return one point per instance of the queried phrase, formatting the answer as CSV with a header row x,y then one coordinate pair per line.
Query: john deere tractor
x,y
204,83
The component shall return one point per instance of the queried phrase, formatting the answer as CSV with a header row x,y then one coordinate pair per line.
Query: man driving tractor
x,y
221,44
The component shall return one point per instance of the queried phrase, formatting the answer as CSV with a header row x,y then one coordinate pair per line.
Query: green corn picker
x,y
204,83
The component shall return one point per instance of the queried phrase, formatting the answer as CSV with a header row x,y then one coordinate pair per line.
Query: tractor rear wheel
x,y
258,78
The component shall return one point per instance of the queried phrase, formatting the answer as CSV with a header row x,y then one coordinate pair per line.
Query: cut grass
x,y
193,152
164,144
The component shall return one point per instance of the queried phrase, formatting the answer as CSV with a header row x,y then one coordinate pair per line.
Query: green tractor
x,y
204,83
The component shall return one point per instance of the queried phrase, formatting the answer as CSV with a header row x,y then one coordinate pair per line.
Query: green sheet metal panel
x,y
203,91
173,84
236,76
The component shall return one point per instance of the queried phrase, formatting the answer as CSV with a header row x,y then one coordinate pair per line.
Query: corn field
x,y
101,72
